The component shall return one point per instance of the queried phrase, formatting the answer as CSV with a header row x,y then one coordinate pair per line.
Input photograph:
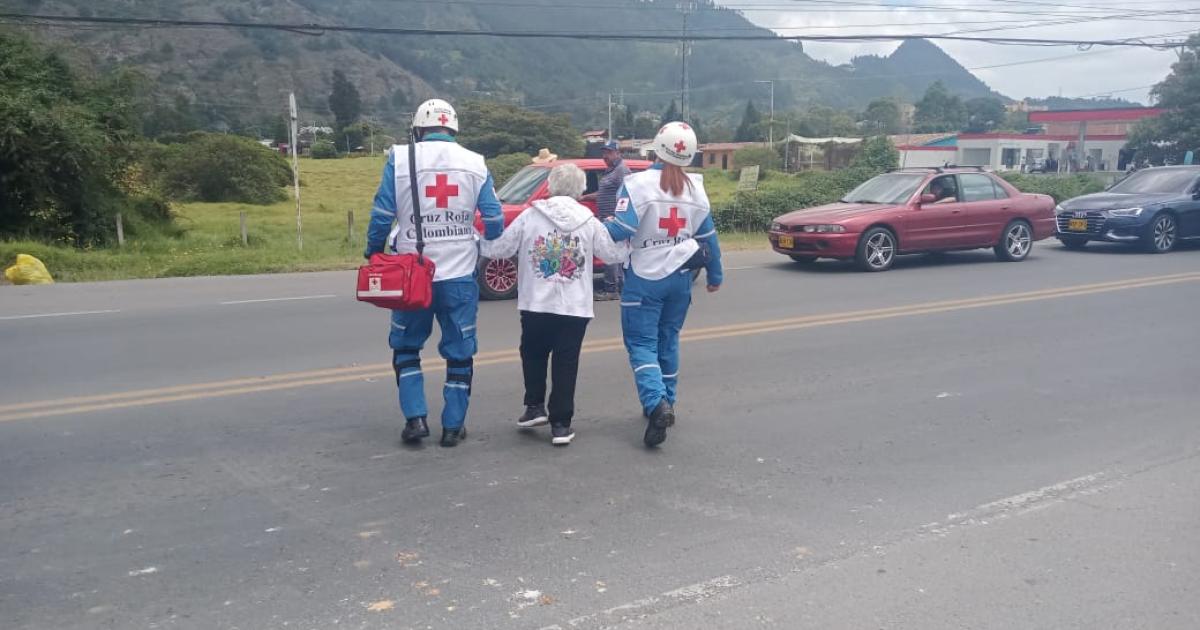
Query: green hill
x,y
244,75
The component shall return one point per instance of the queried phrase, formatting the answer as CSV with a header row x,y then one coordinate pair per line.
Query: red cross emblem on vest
x,y
441,191
673,223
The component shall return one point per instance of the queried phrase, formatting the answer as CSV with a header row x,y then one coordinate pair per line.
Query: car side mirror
x,y
928,198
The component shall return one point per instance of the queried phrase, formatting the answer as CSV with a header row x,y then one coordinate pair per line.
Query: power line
x,y
320,29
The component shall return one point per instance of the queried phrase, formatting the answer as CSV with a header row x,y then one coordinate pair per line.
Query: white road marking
x,y
981,515
744,267
282,299
10,317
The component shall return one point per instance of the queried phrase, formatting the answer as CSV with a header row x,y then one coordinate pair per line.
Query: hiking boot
x,y
451,437
414,430
534,416
662,417
561,434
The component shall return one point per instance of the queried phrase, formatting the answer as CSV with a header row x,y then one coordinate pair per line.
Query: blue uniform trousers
x,y
652,314
455,305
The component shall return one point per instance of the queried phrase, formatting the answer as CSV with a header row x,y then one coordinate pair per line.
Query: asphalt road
x,y
956,443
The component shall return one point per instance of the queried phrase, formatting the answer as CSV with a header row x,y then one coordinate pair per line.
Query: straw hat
x,y
544,157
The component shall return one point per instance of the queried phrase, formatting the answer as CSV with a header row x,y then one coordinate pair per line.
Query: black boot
x,y
662,417
414,430
451,437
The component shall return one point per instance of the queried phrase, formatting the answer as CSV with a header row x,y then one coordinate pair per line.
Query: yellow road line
x,y
233,387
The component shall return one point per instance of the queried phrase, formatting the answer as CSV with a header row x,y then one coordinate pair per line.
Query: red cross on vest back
x,y
441,191
673,223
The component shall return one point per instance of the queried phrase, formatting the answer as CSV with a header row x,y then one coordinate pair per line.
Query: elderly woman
x,y
554,242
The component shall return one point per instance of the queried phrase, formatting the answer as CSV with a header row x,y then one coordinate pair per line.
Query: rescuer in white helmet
x,y
664,214
451,182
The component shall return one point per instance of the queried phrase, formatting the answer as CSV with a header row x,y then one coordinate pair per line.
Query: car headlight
x,y
1125,212
824,229
778,227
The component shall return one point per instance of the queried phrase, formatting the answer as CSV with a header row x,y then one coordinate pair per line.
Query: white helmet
x,y
676,144
436,113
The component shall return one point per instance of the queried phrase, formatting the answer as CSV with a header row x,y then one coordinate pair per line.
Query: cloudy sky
x,y
1121,72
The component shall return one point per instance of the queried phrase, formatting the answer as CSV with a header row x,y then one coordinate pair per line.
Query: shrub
x,y
1061,187
780,194
878,154
764,158
323,150
505,166
215,167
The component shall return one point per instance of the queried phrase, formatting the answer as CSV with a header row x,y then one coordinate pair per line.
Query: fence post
x,y
350,226
245,237
120,231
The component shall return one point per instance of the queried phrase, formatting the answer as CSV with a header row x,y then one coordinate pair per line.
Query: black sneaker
x,y
451,437
662,417
414,430
561,435
535,416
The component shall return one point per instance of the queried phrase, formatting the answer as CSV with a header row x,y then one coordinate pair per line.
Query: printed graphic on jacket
x,y
557,258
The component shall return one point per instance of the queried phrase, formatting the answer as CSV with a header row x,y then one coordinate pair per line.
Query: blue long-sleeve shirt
x,y
625,224
383,212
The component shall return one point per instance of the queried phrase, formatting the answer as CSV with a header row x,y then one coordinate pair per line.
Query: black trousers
x,y
543,335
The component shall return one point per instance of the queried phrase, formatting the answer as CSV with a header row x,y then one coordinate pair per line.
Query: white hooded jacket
x,y
554,242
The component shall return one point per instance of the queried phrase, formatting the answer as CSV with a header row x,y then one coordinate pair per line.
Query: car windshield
x,y
523,184
1164,181
889,188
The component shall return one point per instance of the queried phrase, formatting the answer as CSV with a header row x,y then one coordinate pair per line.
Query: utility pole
x,y
771,120
685,48
295,139
610,124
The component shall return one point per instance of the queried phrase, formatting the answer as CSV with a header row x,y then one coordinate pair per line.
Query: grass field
x,y
211,242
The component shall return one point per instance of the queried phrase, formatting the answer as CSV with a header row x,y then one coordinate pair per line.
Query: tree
x,y
877,154
671,115
883,116
985,114
698,127
939,111
824,121
495,129
645,127
751,127
1177,131
67,147
344,101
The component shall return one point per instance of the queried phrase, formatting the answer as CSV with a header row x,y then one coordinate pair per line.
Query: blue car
x,y
1153,208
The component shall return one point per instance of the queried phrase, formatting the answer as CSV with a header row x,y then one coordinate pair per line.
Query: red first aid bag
x,y
401,282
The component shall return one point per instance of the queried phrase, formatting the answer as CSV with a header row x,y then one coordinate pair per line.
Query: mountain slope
x,y
246,74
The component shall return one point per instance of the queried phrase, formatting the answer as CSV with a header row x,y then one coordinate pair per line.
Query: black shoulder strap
x,y
416,198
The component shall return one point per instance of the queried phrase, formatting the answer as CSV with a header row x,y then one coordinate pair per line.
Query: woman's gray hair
x,y
567,180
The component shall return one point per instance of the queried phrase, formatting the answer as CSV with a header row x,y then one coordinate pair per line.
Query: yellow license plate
x,y
786,242
1077,225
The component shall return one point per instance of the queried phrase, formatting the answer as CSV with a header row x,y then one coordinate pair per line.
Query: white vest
x,y
666,224
448,181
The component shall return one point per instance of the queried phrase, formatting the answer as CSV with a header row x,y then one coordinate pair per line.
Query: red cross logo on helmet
x,y
681,146
443,119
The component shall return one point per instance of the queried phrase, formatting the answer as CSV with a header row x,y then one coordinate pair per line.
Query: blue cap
x,y
611,145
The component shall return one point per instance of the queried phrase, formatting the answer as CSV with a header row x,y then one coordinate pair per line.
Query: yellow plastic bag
x,y
28,270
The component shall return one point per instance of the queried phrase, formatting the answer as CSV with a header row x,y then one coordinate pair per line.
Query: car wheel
x,y
876,250
498,278
1162,235
1075,244
804,260
1016,243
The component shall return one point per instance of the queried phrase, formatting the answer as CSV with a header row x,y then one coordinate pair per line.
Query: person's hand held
x,y
713,288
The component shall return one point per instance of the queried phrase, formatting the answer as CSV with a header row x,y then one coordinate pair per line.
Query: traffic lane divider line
x,y
281,299
25,411
41,315
351,372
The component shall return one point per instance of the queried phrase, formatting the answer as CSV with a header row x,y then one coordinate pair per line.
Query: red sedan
x,y
498,278
911,211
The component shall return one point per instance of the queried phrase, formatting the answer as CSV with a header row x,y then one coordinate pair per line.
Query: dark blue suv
x,y
1153,208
